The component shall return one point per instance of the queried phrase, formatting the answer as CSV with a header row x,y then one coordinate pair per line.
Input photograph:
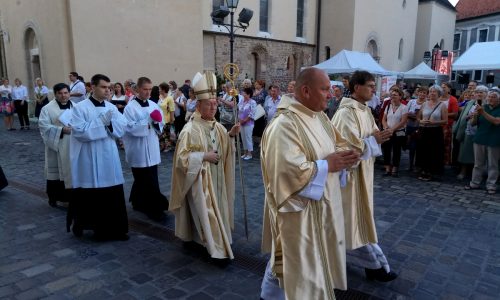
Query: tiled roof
x,y
476,8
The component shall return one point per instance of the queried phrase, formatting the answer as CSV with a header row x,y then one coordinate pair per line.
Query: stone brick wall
x,y
276,62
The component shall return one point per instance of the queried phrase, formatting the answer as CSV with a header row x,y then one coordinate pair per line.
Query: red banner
x,y
442,65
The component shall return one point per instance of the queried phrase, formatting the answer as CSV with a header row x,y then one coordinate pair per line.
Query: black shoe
x,y
77,231
386,174
380,275
104,237
221,262
52,203
395,174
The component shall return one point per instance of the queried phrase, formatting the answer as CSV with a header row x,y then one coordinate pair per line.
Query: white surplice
x,y
141,141
95,161
57,161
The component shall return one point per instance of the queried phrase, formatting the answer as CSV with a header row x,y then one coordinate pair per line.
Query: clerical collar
x,y
142,103
97,103
64,106
354,98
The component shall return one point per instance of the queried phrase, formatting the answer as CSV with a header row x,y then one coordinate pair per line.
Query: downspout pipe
x,y
318,31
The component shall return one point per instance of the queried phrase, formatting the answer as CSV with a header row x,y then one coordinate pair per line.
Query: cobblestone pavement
x,y
441,239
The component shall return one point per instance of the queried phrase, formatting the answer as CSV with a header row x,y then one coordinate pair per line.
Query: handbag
x,y
259,112
226,116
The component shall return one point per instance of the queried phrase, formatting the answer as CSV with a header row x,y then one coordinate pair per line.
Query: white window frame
x,y
474,75
459,41
479,31
453,76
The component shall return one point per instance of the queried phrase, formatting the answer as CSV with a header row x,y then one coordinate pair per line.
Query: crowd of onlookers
x,y
440,130
435,127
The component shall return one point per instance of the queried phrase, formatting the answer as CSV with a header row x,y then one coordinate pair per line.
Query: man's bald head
x,y
312,89
307,77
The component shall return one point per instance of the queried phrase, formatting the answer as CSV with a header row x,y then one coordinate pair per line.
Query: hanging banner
x,y
387,82
443,61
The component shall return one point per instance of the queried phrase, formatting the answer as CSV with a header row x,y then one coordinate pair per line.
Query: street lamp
x,y
244,18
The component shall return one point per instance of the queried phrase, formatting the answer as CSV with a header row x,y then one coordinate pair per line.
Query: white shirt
x,y
20,93
142,147
5,90
41,90
394,117
77,87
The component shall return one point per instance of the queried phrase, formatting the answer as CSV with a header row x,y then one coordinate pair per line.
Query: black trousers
x,y
57,192
99,209
145,194
430,150
392,150
22,112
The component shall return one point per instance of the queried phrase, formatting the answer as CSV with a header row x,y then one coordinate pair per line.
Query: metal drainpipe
x,y
318,31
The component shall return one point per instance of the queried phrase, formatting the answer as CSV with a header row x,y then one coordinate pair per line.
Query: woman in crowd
x,y
246,109
452,105
172,88
167,106
226,105
394,120
430,149
7,106
486,143
155,94
259,95
20,97
180,110
412,124
465,131
190,104
88,90
41,95
463,99
129,89
119,97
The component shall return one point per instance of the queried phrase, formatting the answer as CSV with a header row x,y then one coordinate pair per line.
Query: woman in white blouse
x,y
6,104
395,117
20,97
41,95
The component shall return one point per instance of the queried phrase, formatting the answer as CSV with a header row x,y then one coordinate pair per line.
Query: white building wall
x,y
387,25
118,42
435,23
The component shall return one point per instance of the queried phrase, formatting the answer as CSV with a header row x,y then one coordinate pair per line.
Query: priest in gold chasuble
x,y
355,122
301,158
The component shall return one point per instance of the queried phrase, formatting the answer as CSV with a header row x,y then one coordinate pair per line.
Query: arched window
x,y
255,66
400,52
327,52
372,49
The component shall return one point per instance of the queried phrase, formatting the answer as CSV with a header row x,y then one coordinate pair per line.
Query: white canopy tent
x,y
350,61
480,56
421,71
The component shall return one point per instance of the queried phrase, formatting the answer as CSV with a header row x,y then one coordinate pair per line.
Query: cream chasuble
x,y
202,195
355,122
305,237
57,162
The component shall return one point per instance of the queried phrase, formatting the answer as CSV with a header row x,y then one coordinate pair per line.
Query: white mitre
x,y
205,86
